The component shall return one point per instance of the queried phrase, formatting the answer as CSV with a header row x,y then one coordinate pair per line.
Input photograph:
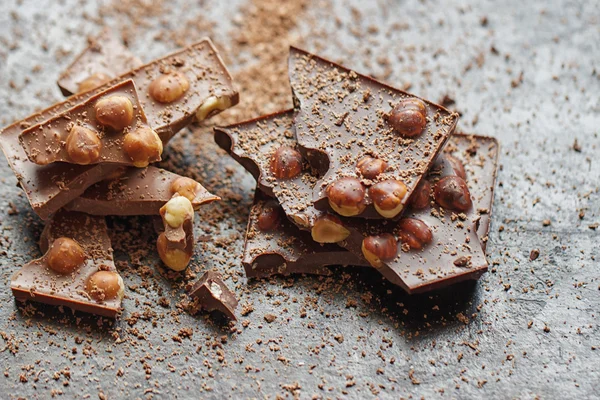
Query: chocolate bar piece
x,y
103,59
454,252
372,143
50,187
136,191
175,243
77,269
210,293
275,246
108,128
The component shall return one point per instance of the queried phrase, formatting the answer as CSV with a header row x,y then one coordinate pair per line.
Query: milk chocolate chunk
x,y
77,269
109,127
50,187
343,117
136,191
210,293
104,58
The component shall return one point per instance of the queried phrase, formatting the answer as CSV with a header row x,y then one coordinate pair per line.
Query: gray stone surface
x,y
527,329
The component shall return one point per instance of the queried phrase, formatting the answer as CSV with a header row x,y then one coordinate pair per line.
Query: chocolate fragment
x,y
91,286
211,293
404,132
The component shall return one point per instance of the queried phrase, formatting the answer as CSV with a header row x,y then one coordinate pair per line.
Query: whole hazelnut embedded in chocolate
x,y
83,145
286,163
114,111
414,233
346,196
370,167
409,117
105,285
92,82
211,106
143,146
387,197
169,87
379,248
185,187
174,258
269,217
421,195
329,229
457,166
452,192
65,256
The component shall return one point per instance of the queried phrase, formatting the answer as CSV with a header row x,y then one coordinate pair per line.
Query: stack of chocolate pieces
x,y
360,173
90,156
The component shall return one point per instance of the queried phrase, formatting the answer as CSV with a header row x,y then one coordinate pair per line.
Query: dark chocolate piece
x,y
136,191
89,284
48,188
103,59
210,293
344,117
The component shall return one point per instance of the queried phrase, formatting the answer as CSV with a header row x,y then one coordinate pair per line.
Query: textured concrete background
x,y
525,72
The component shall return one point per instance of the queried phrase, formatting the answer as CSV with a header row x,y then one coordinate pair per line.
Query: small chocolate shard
x,y
210,293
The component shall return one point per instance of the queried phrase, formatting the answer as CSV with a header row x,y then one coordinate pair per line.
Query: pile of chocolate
x,y
362,174
89,156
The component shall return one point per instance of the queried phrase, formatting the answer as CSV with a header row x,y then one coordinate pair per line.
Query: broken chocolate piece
x,y
138,191
211,293
175,244
343,117
103,59
89,283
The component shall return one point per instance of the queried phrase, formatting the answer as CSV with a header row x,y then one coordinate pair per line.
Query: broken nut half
x,y
65,256
114,111
346,196
409,117
211,106
286,163
452,192
185,187
329,229
83,145
379,248
414,233
143,146
177,210
387,197
92,82
169,87
175,258
105,285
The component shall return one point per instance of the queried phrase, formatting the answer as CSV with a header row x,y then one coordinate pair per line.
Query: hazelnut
x,y
177,210
421,196
370,167
286,163
457,166
329,229
114,111
269,217
380,248
409,117
169,87
105,285
452,192
143,146
185,187
387,197
212,104
65,256
346,196
175,258
92,82
414,233
83,145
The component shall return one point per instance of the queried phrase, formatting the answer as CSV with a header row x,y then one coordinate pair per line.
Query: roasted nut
x,y
380,248
176,259
143,146
421,195
387,197
105,285
169,87
346,196
414,233
329,229
185,187
269,217
370,167
409,117
92,82
65,256
286,163
212,105
177,210
114,111
457,166
452,192
83,145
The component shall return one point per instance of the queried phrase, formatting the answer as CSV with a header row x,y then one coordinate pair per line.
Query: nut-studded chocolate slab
x,y
50,187
40,280
210,293
108,128
104,58
136,191
345,120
